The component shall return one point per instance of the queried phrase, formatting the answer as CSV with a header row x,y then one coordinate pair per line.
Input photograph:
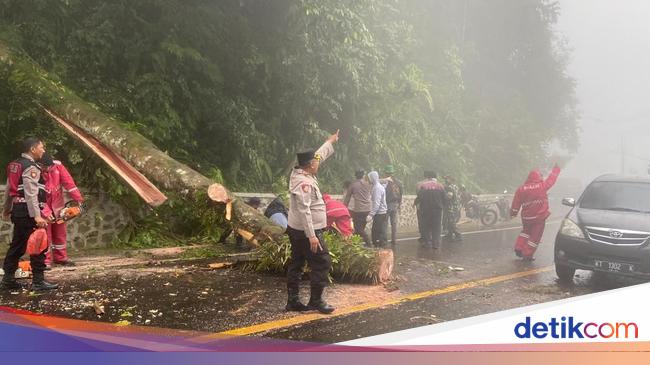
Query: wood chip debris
x,y
99,309
220,265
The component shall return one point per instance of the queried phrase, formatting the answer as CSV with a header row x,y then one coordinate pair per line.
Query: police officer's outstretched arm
x,y
334,137
327,149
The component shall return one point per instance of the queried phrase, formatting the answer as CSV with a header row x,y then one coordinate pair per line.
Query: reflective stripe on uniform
x,y
20,199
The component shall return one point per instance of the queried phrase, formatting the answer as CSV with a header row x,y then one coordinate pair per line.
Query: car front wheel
x,y
564,272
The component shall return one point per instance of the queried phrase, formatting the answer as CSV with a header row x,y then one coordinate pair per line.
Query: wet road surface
x,y
477,276
484,256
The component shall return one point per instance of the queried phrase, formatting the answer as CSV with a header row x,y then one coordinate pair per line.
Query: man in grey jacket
x,y
359,190
378,211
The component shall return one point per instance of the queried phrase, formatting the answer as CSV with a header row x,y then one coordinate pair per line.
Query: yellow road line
x,y
305,318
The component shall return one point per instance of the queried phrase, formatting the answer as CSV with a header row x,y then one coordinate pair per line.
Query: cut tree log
x,y
133,149
385,262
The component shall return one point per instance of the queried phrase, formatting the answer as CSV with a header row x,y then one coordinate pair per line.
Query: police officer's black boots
x,y
316,301
39,283
9,282
293,303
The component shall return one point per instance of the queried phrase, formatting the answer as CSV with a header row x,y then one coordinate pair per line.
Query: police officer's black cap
x,y
305,157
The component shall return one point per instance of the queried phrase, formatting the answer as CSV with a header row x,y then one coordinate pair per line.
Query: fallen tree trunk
x,y
74,113
66,107
142,186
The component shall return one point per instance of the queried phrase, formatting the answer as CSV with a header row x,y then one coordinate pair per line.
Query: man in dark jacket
x,y
430,202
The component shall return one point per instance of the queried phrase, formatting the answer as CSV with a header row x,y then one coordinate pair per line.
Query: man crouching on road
x,y
307,220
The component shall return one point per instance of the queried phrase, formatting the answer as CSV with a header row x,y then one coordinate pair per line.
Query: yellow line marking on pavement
x,y
305,318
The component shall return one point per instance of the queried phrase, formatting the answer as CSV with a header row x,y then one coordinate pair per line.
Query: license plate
x,y
614,266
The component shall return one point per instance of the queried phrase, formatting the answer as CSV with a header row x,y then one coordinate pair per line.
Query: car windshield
x,y
617,196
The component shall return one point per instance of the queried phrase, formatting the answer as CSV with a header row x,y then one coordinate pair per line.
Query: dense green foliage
x,y
351,260
235,87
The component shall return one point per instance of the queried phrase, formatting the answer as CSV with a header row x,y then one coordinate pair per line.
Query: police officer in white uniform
x,y
307,220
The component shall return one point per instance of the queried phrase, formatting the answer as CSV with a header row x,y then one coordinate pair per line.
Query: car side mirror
x,y
569,202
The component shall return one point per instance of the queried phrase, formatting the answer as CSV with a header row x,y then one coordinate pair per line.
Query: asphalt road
x,y
493,279
476,276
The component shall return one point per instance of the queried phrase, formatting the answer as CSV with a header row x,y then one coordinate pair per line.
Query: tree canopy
x,y
233,88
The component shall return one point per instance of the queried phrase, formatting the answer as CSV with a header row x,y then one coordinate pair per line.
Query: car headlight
x,y
570,228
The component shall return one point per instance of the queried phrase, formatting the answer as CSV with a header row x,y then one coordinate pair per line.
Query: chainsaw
x,y
72,209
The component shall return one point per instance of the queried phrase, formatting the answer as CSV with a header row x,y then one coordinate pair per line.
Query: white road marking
x,y
479,231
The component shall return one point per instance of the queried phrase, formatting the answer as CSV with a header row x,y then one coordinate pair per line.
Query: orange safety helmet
x,y
37,242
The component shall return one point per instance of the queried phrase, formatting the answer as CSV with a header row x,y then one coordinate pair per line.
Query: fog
x,y
610,61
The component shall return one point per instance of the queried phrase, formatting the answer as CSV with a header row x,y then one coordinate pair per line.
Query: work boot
x,y
295,305
293,302
316,301
9,282
39,283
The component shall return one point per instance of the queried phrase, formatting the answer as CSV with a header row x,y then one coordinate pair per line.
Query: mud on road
x,y
170,292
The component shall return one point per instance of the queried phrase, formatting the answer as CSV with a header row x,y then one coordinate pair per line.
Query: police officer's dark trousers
x,y
23,227
319,263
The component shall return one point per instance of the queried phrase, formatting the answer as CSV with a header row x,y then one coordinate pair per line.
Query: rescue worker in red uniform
x,y
57,182
532,199
338,216
25,197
